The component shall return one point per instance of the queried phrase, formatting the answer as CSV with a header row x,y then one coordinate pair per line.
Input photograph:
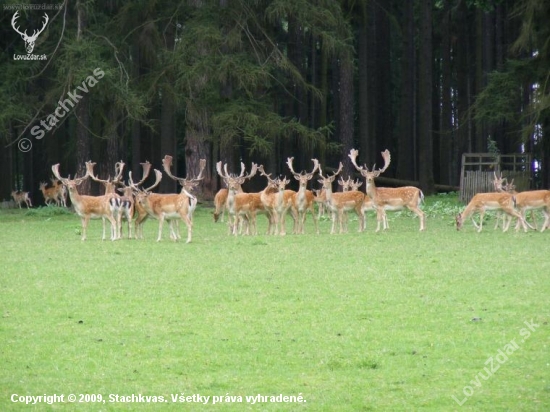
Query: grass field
x,y
399,320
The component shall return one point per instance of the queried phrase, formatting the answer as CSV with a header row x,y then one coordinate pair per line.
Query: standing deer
x,y
304,199
21,197
88,207
340,203
277,200
239,204
385,198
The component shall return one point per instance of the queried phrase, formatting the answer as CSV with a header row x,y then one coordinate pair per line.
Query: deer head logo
x,y
29,40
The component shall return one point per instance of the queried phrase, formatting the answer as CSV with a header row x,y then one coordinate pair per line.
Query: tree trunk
x,y
425,99
346,111
363,87
82,112
406,126
461,45
196,148
446,121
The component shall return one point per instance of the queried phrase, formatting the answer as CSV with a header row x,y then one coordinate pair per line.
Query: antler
x,y
65,181
309,175
90,171
119,169
340,167
146,170
364,169
268,176
167,164
387,159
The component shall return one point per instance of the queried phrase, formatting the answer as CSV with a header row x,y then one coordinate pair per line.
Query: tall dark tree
x,y
425,124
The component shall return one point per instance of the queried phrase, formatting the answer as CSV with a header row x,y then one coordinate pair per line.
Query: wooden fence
x,y
477,173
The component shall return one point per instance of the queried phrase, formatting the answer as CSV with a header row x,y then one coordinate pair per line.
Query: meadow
x,y
399,320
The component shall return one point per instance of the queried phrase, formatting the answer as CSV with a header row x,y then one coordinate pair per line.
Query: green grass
x,y
399,320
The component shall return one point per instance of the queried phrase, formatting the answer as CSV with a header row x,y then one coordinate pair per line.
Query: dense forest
x,y
261,80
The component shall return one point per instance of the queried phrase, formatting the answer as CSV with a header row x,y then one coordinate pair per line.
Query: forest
x,y
264,80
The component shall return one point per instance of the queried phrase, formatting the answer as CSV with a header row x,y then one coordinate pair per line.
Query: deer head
x,y
187,183
234,182
29,40
303,177
369,175
327,180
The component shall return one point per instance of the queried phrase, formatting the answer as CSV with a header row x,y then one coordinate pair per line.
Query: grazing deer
x,y
532,200
303,200
529,200
219,203
277,201
340,203
21,197
488,201
385,198
88,207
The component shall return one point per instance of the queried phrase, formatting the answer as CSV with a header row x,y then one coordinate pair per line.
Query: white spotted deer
x,y
141,213
88,207
386,198
240,205
165,207
188,184
50,194
304,200
340,203
120,205
481,202
277,200
21,197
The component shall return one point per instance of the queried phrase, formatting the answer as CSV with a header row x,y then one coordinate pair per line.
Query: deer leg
x,y
85,220
114,227
103,221
189,225
546,214
161,222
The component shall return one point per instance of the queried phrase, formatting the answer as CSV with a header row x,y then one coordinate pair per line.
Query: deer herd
x,y
135,204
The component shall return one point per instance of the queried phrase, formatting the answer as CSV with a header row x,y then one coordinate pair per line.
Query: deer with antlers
x,y
120,205
240,205
340,203
88,207
277,200
385,198
142,214
171,206
21,197
303,200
